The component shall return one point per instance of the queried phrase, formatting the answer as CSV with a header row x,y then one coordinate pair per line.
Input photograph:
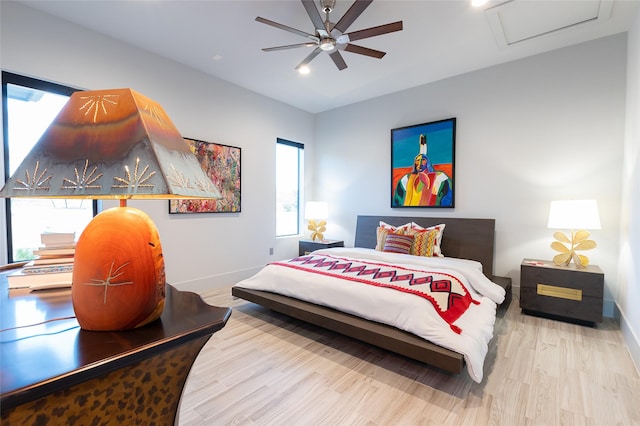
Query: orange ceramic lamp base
x,y
118,276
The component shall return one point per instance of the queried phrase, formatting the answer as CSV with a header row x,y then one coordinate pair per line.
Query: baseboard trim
x,y
631,340
205,284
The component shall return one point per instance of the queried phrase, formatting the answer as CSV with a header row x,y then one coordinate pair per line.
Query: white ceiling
x,y
440,39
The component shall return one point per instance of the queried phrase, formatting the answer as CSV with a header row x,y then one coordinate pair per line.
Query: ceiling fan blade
x,y
313,13
338,60
286,28
375,31
364,51
352,14
309,58
289,46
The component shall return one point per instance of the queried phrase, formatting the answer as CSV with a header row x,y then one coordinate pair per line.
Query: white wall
x,y
200,250
629,274
531,131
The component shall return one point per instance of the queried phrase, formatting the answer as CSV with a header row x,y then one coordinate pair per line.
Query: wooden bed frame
x,y
462,238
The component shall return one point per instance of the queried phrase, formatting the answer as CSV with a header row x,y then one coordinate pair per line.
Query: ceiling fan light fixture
x,y
327,44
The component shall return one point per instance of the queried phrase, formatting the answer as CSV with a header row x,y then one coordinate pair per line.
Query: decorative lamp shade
x,y
316,210
110,144
574,214
113,144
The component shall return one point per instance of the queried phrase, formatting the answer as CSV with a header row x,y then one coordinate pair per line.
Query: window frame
x,y
300,194
37,84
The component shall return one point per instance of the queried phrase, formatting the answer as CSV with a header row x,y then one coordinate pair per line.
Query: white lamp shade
x,y
574,214
316,210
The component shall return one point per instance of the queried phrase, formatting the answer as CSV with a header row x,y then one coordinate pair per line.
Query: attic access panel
x,y
515,21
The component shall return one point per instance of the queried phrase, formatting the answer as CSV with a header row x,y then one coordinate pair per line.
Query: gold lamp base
x,y
317,229
579,241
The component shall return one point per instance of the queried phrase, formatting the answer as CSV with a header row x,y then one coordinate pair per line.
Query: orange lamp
x,y
113,144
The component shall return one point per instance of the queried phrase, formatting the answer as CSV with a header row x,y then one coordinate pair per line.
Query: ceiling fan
x,y
332,38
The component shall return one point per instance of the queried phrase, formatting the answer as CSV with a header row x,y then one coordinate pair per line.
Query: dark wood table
x,y
57,373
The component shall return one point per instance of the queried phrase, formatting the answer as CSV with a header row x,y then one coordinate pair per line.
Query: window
x,y
29,106
289,178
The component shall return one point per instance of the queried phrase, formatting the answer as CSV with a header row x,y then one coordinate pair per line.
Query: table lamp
x,y
576,215
316,212
113,144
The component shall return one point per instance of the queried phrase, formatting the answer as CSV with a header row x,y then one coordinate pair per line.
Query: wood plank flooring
x,y
264,368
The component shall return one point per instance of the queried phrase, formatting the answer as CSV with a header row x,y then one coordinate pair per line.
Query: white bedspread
x,y
402,310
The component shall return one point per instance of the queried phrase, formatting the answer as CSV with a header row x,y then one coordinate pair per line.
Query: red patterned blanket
x,y
447,293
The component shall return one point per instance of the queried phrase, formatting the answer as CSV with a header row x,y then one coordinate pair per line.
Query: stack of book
x,y
52,268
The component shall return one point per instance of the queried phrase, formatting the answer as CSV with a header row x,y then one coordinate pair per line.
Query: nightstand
x,y
561,292
307,246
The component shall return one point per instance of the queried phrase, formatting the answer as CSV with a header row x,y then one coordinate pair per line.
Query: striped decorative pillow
x,y
385,229
382,232
397,243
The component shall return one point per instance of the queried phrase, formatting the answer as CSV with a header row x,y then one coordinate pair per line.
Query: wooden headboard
x,y
463,238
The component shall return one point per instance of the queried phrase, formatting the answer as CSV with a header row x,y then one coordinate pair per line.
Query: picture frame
x,y
222,164
423,165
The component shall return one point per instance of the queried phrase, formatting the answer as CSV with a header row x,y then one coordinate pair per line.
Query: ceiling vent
x,y
516,21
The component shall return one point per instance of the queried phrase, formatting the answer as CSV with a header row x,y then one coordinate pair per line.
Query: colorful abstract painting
x,y
222,165
422,164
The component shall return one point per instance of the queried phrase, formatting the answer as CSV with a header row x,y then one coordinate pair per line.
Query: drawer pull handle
x,y
560,292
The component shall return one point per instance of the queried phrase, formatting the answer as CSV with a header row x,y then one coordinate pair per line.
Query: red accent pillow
x,y
385,229
396,243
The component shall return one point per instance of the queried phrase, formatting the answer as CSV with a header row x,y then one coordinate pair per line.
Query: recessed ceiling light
x,y
478,3
304,70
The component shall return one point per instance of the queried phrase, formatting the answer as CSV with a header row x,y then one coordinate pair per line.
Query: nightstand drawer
x,y
563,291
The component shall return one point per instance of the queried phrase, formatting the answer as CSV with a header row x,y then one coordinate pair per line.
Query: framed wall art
x,y
222,165
423,164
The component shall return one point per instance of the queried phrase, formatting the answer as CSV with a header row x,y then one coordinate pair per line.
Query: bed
x,y
463,238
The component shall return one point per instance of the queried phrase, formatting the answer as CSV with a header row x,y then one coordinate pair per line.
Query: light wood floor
x,y
264,368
